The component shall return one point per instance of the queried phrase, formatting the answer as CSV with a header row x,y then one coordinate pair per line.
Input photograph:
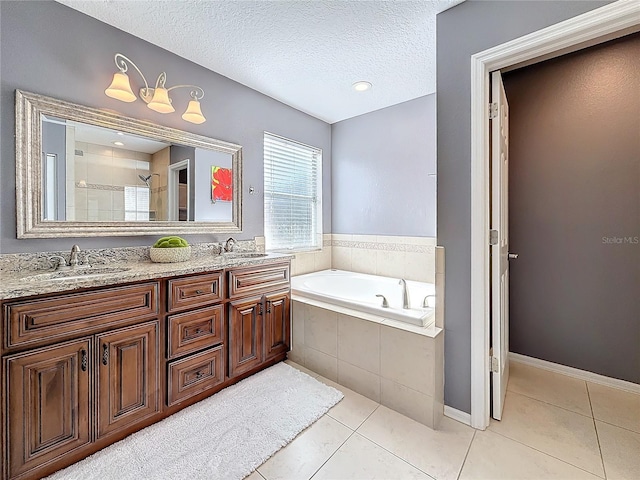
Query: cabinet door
x,y
245,335
48,398
277,326
128,376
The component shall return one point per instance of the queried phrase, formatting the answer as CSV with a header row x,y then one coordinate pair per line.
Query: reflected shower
x,y
147,179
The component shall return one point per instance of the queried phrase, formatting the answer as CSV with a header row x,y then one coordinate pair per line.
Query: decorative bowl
x,y
170,255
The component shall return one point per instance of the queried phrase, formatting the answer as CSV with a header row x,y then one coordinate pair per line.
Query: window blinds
x,y
292,172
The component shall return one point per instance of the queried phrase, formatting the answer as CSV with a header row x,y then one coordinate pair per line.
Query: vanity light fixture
x,y
157,98
362,86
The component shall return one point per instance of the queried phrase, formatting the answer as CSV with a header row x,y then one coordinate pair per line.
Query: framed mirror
x,y
85,172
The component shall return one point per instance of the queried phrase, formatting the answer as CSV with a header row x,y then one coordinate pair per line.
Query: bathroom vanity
x,y
83,368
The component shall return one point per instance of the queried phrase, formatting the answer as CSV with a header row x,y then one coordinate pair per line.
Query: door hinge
x,y
494,237
495,364
493,110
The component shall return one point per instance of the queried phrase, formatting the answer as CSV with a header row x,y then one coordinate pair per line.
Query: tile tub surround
x,y
395,364
15,269
412,258
313,260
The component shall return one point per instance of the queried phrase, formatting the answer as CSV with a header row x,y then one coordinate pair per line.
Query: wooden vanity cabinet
x,y
63,397
259,325
128,374
81,370
49,404
277,324
245,335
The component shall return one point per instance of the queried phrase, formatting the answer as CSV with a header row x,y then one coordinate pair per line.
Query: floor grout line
x,y
331,456
544,453
350,435
595,427
552,404
466,454
395,455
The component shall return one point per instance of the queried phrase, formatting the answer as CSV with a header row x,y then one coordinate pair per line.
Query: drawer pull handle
x,y
260,308
268,306
199,375
199,292
83,360
105,354
199,331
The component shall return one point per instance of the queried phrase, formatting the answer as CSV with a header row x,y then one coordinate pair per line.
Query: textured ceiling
x,y
306,54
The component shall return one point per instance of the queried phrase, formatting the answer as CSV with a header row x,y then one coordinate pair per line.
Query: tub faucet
x,y
73,259
385,304
425,302
405,294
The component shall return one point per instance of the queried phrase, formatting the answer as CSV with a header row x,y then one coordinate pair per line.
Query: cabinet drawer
x,y
192,292
45,320
248,281
196,330
195,374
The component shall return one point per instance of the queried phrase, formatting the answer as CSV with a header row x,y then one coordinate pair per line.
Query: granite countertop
x,y
16,284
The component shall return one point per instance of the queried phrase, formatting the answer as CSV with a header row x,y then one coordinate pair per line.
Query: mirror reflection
x,y
84,172
96,174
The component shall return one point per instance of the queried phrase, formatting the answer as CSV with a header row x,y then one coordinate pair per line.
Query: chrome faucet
x,y
229,244
73,259
405,294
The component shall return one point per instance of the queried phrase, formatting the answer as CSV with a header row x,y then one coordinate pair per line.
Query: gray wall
x,y
574,182
50,49
461,31
381,166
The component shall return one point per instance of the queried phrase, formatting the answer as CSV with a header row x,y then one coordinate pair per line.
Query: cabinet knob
x,y
199,292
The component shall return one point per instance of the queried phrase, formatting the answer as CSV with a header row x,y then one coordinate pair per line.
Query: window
x,y
292,194
136,203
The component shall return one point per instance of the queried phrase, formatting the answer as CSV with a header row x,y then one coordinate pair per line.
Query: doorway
x,y
178,191
602,24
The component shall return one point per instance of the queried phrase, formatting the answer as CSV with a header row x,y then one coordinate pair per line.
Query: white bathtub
x,y
357,291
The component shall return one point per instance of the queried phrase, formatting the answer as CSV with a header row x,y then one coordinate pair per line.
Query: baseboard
x,y
458,415
575,373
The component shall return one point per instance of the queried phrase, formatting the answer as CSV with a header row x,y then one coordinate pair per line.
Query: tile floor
x,y
553,427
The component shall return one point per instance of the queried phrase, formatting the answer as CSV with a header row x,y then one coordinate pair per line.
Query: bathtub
x,y
357,291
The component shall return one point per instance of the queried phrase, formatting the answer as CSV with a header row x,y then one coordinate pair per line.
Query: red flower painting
x,y
221,184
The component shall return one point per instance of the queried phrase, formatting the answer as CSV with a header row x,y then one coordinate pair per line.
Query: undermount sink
x,y
76,274
243,255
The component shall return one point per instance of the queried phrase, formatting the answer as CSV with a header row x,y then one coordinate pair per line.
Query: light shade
x,y
193,113
120,88
160,101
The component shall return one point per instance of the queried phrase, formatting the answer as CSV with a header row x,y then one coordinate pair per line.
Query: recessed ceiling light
x,y
362,86
120,144
120,133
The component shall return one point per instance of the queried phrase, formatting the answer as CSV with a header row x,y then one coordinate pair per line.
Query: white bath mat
x,y
225,436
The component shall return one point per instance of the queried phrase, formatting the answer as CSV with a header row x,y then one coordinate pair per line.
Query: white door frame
x,y
602,23
173,171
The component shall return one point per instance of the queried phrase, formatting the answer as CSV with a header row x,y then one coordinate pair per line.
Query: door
x,y
245,335
128,376
277,325
48,403
499,249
